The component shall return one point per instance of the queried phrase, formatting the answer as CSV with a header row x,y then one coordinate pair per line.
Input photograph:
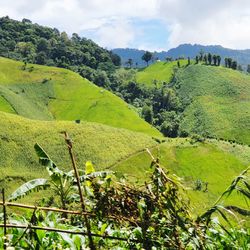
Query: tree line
x,y
33,43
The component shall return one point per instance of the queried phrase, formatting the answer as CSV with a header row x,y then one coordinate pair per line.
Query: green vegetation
x,y
158,73
101,144
209,162
33,43
120,216
45,93
216,101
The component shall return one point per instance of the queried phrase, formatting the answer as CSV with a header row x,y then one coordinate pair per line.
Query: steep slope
x,y
101,144
216,163
217,102
158,73
46,93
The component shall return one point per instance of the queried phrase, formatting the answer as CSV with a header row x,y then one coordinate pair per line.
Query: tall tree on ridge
x,y
147,56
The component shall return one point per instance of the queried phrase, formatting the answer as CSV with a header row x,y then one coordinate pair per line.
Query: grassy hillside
x,y
217,100
214,162
101,144
158,73
46,93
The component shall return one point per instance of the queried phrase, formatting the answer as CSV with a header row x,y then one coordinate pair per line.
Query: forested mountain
x,y
48,46
185,50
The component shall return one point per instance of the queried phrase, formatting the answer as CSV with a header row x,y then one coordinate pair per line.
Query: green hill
x,y
158,73
101,144
217,163
47,93
217,102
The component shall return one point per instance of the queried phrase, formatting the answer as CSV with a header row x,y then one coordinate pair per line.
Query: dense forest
x,y
33,43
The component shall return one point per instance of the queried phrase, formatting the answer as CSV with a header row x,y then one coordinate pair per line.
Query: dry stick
x,y
19,205
69,144
68,232
4,219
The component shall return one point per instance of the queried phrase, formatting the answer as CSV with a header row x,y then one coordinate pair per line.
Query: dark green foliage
x,y
218,60
234,65
205,58
147,56
196,59
42,45
147,114
248,68
209,58
215,60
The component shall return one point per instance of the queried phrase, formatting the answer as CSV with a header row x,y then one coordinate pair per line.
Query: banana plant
x,y
60,182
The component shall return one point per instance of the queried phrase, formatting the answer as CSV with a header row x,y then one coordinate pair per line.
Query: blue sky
x,y
144,24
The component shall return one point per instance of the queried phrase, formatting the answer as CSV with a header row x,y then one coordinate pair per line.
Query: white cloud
x,y
225,22
116,34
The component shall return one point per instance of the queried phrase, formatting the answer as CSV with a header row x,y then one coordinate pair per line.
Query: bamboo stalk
x,y
4,220
70,146
68,232
12,204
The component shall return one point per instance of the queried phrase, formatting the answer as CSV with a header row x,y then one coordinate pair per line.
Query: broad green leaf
x,y
28,187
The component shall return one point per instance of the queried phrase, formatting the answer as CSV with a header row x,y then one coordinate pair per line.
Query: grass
x,y
217,100
46,93
158,73
103,145
214,162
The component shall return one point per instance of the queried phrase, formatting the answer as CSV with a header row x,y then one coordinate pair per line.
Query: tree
x,y
188,60
215,60
43,45
147,56
205,58
240,68
209,58
178,64
248,68
196,59
234,65
229,62
147,114
130,63
226,62
218,60
41,58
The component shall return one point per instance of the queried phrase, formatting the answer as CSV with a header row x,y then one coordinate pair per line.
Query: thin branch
x,y
70,146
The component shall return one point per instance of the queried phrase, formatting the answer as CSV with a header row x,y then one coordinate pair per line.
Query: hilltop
x,y
158,73
47,93
216,101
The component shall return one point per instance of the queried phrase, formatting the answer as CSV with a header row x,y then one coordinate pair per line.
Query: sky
x,y
154,25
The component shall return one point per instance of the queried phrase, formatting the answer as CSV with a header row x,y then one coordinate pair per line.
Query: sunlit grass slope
x,y
47,93
158,73
218,102
217,163
101,144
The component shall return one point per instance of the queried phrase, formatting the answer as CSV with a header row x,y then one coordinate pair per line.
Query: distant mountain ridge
x,y
186,50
